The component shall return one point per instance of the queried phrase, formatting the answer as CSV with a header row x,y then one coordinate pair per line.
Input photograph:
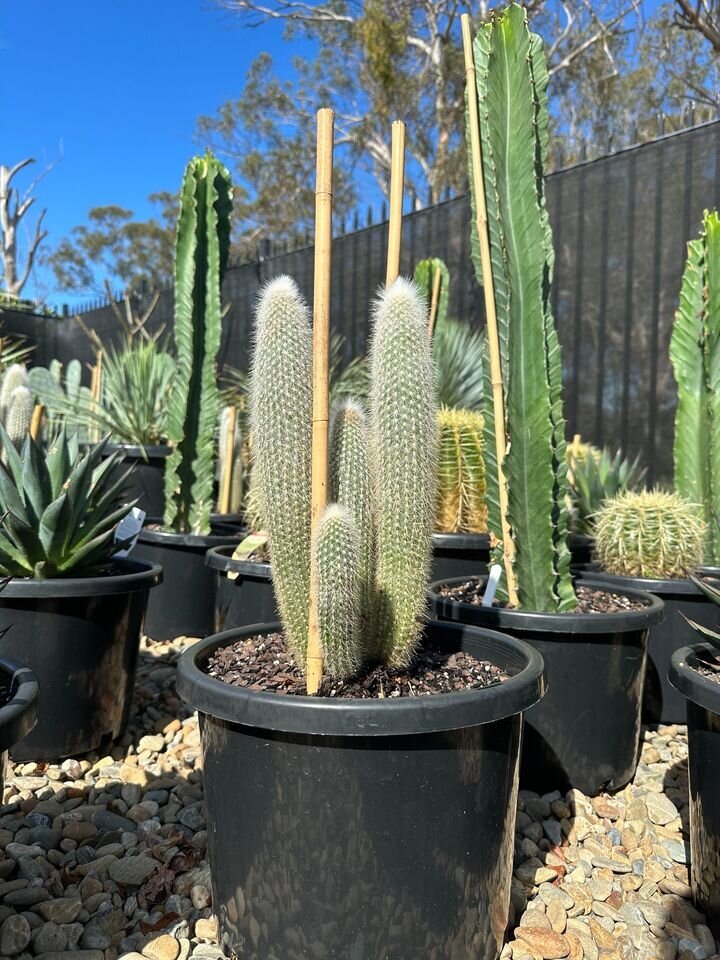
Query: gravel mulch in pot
x,y
589,599
103,857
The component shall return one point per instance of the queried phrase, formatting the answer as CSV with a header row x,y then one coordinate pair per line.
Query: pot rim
x,y
158,451
197,541
678,586
19,715
139,575
566,626
220,559
689,682
402,716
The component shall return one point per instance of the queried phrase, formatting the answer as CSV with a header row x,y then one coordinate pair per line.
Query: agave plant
x,y
596,476
60,509
712,636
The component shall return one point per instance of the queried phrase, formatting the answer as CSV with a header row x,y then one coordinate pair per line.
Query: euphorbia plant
x,y
373,542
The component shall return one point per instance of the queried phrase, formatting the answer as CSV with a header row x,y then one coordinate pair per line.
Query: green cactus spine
x,y
512,82
404,444
461,506
281,428
18,416
201,252
336,548
695,357
650,534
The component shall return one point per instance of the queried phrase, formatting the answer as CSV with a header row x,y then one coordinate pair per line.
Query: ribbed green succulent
x,y
512,80
60,509
201,253
695,358
373,545
651,534
424,276
595,476
461,506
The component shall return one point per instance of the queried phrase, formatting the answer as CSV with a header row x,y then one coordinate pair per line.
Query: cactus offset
x,y
336,548
280,424
650,534
461,506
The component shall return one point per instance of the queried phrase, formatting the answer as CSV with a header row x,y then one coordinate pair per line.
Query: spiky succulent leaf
x,y
201,252
457,352
597,476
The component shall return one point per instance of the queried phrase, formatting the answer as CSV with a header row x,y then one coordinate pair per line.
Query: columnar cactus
x,y
201,252
695,357
650,534
372,546
424,276
16,403
512,82
461,506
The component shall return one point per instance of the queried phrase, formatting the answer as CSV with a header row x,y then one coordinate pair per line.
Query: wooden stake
x,y
321,364
228,467
481,223
36,420
397,177
574,454
435,302
96,388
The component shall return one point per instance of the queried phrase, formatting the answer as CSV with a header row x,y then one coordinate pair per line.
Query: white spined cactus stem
x,y
281,427
404,449
337,555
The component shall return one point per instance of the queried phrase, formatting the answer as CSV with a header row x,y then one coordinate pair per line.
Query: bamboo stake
x,y
36,420
397,176
96,388
574,454
435,302
481,223
321,364
228,467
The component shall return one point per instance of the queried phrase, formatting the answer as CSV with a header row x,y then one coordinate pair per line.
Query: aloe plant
x,y
596,476
695,357
201,253
512,82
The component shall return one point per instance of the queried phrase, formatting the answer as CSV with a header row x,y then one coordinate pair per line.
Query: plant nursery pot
x,y
80,638
460,555
185,603
581,547
372,828
586,731
234,520
243,590
146,483
18,715
702,697
661,701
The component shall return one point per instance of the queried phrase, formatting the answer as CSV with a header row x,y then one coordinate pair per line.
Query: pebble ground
x,y
103,857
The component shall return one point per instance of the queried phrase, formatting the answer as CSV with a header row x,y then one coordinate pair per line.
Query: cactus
x,y
18,416
595,476
15,376
337,561
281,428
201,252
424,277
372,547
695,357
461,506
650,534
66,402
512,82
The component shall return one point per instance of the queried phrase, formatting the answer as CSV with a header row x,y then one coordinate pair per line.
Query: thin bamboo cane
x,y
36,420
397,176
574,454
96,389
481,223
229,465
321,364
435,301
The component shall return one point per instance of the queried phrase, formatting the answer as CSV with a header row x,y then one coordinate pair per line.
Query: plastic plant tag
x,y
128,531
492,585
253,543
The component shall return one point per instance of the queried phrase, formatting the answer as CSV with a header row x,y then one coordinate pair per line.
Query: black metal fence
x,y
620,228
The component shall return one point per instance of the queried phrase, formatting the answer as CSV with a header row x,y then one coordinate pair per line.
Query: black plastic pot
x,y
234,520
661,702
702,698
460,555
19,715
146,483
586,732
185,603
80,637
374,828
243,590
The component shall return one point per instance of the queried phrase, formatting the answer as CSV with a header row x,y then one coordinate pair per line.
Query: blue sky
x,y
116,85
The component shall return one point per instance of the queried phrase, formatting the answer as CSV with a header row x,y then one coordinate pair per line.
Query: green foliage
x,y
512,83
201,253
713,594
457,352
65,399
60,509
424,277
695,357
649,534
461,506
373,547
595,476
